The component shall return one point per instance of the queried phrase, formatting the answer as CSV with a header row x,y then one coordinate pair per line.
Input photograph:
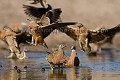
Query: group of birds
x,y
43,21
58,57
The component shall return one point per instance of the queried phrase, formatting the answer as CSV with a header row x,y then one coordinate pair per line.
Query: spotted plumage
x,y
86,36
56,58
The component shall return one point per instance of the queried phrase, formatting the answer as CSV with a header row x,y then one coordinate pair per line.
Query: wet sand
x,y
104,66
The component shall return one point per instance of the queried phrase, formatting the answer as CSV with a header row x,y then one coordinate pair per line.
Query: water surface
x,y
104,66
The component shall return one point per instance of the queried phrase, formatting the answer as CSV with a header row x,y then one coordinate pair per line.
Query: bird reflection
x,y
102,57
85,74
30,73
57,74
73,73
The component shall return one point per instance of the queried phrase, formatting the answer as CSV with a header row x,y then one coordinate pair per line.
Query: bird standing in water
x,y
56,58
73,60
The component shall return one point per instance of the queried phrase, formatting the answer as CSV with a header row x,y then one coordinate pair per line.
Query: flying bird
x,y
9,37
36,13
21,32
15,36
41,32
86,36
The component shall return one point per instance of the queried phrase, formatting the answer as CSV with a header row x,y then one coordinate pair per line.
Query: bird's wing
x,y
23,38
34,12
46,30
69,31
101,34
54,15
72,30
51,16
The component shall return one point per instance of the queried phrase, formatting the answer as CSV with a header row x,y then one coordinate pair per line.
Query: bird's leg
x,y
44,44
51,66
13,49
22,55
86,42
80,44
35,1
17,52
32,42
58,66
43,3
23,52
36,39
11,55
87,46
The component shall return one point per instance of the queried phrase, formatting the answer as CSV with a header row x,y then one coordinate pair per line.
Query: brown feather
x,y
102,34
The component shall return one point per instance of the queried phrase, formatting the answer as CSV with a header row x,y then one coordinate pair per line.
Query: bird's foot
x,y
11,56
20,56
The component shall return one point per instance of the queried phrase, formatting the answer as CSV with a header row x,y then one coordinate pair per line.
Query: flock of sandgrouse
x,y
43,21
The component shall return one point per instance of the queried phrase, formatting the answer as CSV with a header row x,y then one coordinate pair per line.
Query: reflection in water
x,y
8,75
85,74
8,72
101,63
103,57
57,74
75,73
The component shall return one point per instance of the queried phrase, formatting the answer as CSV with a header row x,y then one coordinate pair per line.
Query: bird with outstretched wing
x,y
101,34
72,31
41,32
34,12
86,36
38,13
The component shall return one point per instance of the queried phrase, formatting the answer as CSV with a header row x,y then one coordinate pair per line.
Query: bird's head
x,y
6,28
61,46
83,30
73,48
33,25
49,57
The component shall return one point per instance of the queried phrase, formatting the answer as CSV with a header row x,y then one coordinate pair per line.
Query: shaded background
x,y
91,13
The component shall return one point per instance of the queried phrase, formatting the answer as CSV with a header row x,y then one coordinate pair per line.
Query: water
x,y
105,66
